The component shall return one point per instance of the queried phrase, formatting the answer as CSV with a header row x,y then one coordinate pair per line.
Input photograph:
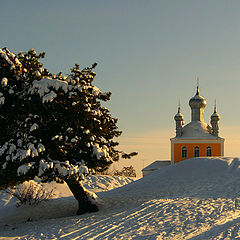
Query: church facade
x,y
197,138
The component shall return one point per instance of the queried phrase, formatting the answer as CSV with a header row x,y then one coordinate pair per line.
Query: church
x,y
197,138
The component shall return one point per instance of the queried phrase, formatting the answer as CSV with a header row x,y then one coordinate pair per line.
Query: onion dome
x,y
178,116
215,116
197,101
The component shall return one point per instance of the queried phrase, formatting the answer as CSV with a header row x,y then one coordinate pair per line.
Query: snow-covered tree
x,y
53,126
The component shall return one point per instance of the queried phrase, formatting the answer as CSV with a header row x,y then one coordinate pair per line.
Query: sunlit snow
x,y
194,199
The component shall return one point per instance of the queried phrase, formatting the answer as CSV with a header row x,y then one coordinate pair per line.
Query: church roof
x,y
197,129
156,165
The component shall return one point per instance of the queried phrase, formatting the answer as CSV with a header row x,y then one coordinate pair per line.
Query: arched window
x,y
196,152
209,151
184,152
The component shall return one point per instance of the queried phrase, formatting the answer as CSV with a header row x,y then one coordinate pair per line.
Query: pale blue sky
x,y
149,53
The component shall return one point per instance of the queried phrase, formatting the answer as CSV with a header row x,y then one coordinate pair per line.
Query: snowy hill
x,y
194,199
63,203
200,177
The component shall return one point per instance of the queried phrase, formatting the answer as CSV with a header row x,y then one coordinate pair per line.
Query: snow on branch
x,y
63,169
43,88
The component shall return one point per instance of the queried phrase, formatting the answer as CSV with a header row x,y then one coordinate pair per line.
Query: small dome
x,y
215,116
197,101
178,116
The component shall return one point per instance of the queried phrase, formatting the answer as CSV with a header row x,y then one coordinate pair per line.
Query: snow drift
x,y
63,203
195,199
196,177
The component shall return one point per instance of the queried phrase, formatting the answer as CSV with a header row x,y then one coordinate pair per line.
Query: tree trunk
x,y
84,203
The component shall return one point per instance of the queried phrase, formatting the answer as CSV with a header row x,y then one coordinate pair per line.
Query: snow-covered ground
x,y
194,199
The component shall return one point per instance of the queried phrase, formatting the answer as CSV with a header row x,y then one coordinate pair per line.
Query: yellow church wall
x,y
216,150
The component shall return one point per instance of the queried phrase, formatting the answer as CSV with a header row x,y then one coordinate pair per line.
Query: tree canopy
x,y
52,126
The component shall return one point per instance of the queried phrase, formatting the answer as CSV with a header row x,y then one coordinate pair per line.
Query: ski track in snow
x,y
195,208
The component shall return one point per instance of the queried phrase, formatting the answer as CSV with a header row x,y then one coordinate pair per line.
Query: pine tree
x,y
53,126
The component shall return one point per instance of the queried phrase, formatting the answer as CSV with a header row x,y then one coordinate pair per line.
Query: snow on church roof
x,y
197,129
156,165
